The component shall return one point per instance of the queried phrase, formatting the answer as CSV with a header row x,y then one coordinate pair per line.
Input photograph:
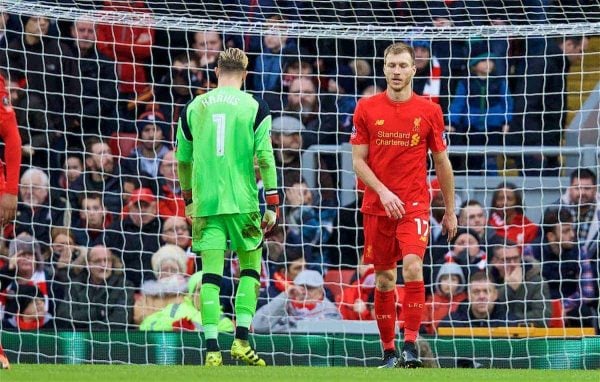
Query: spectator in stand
x,y
284,272
171,202
130,46
137,237
26,267
306,225
40,65
269,63
541,100
297,65
316,113
176,231
347,240
207,45
99,298
427,81
343,89
508,218
449,293
145,160
481,309
584,202
93,221
472,216
39,209
521,288
98,82
169,267
303,300
178,87
566,269
66,258
4,36
481,110
100,175
26,310
465,250
287,135
73,169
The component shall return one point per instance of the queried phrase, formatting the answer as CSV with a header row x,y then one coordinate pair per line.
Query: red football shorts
x,y
387,240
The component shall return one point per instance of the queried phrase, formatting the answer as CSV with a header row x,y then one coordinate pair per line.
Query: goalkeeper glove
x,y
271,215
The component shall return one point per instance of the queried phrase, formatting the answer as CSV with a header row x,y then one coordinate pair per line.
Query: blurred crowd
x,y
101,240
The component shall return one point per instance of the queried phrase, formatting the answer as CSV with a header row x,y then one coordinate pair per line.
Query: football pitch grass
x,y
132,373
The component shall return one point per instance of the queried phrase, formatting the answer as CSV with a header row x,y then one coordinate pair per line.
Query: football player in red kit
x,y
9,173
394,131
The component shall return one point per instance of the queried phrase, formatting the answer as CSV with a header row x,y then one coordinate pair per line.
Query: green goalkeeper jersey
x,y
220,133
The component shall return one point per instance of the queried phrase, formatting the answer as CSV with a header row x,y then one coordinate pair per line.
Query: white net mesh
x,y
97,87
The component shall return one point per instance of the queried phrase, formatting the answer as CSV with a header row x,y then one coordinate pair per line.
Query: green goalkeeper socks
x,y
247,293
212,268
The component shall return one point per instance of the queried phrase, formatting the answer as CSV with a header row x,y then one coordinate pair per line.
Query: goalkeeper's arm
x,y
266,166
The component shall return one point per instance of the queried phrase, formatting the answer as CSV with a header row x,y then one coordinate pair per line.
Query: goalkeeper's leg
x,y
212,273
245,306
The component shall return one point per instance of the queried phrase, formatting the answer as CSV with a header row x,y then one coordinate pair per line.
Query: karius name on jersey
x,y
220,98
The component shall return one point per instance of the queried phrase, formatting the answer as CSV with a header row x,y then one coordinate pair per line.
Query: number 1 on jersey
x,y
219,119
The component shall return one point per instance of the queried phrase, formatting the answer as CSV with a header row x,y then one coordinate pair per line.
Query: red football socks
x,y
414,302
385,314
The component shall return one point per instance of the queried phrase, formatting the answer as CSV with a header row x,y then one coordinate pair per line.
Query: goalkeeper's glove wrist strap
x,y
272,198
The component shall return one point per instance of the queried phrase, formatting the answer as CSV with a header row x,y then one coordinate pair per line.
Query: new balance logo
x,y
379,122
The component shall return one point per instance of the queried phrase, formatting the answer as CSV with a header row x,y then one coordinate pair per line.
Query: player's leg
x,y
246,237
208,238
4,364
385,312
414,302
381,250
413,234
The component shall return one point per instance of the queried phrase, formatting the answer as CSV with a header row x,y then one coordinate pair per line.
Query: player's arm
x,y
263,149
9,132
436,142
393,206
184,155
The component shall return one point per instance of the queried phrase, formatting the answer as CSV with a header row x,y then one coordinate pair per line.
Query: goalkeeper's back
x,y
220,132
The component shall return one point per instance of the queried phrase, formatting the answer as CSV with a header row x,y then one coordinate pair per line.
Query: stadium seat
x,y
556,319
122,144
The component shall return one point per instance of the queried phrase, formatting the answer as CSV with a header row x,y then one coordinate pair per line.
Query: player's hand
x,y
271,215
8,208
394,207
449,225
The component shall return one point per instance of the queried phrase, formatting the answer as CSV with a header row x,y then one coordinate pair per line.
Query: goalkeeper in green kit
x,y
218,136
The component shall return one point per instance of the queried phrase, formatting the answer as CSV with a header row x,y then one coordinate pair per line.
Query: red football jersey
x,y
399,135
9,133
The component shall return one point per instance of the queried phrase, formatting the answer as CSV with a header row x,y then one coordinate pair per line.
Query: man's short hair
x,y
398,48
232,60
583,173
555,216
481,276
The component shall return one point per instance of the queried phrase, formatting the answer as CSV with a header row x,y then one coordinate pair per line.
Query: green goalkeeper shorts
x,y
212,232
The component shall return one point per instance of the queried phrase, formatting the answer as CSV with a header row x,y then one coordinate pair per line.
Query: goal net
x,y
101,244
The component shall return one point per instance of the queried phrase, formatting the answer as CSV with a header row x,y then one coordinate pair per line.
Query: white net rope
x,y
98,88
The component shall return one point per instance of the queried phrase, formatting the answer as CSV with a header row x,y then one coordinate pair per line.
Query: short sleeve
x,y
183,142
436,140
360,132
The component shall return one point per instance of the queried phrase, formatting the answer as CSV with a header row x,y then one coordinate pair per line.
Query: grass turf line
x,y
132,373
